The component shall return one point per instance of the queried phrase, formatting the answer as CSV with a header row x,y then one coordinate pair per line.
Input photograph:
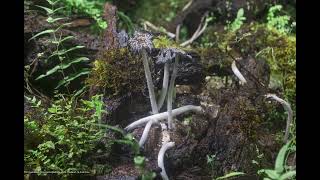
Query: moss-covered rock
x,y
116,72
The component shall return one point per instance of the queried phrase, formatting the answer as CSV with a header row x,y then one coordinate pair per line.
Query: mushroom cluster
x,y
141,44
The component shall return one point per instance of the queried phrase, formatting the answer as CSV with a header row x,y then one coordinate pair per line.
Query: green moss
x,y
117,71
164,42
260,42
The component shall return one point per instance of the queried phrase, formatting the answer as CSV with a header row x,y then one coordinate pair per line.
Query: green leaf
x,y
64,39
52,110
58,9
48,145
280,161
33,99
62,26
41,33
39,103
271,173
52,2
240,13
80,91
63,52
139,160
232,174
73,77
111,127
52,20
62,67
48,10
287,175
127,20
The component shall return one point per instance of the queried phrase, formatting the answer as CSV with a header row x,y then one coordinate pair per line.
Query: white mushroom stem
x,y
145,133
170,92
237,72
149,82
287,107
164,115
165,83
162,151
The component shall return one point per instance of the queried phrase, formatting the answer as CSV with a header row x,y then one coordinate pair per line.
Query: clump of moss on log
x,y
116,72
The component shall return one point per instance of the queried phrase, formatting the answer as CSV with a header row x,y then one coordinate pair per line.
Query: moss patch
x,y
116,72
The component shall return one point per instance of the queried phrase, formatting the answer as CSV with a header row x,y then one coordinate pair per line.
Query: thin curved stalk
x,y
162,151
149,82
170,92
287,107
164,115
145,133
237,72
165,84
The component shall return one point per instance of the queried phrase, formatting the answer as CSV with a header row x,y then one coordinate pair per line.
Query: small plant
x,y
91,8
260,156
211,161
280,171
140,163
60,55
237,23
60,137
279,22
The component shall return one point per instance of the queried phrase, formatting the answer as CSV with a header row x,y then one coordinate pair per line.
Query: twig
x,y
198,32
155,28
187,5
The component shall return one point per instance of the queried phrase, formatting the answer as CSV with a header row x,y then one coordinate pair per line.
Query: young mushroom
x,y
142,43
166,56
164,148
287,107
164,115
145,133
236,71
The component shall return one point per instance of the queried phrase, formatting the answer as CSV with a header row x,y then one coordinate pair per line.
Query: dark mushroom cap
x,y
139,41
167,55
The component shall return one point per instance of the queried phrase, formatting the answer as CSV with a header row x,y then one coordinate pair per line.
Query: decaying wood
x,y
110,35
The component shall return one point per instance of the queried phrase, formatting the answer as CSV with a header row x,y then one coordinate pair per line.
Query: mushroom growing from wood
x,y
164,148
166,56
236,72
142,43
287,107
